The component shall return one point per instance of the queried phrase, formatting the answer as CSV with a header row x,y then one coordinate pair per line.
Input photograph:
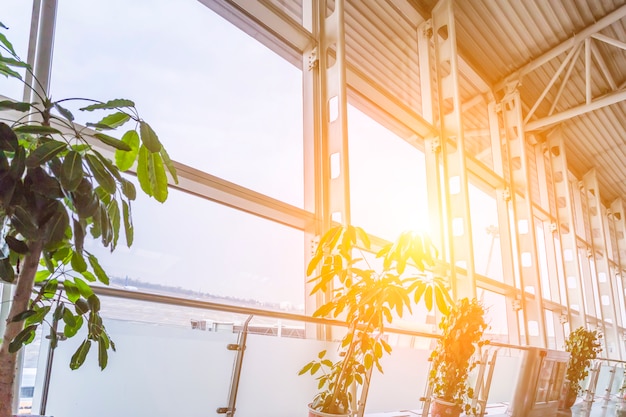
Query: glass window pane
x,y
485,235
496,315
219,100
16,16
196,248
387,179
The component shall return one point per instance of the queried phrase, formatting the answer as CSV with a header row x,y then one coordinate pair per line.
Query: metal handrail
x,y
229,308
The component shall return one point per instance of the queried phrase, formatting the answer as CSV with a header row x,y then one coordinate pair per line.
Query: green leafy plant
x,y
366,300
583,346
453,357
56,189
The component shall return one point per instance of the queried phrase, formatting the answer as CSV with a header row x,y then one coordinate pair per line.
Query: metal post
x,y
455,184
566,228
520,195
600,256
240,347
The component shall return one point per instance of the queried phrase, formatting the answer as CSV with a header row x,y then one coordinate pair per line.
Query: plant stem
x,y
340,385
8,360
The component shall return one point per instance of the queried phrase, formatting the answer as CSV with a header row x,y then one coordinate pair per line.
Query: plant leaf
x,y
15,105
168,163
104,178
124,159
37,130
78,358
64,112
44,153
8,138
111,104
72,171
158,179
149,138
111,141
128,225
142,170
114,120
97,269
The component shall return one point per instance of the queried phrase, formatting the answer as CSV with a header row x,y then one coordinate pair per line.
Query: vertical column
x,y
312,127
504,229
432,148
459,231
567,230
325,127
521,204
334,113
601,264
619,242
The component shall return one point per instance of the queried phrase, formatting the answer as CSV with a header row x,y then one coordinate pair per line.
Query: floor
x,y
599,408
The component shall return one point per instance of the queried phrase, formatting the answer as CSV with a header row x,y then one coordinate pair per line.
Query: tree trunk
x,y
23,291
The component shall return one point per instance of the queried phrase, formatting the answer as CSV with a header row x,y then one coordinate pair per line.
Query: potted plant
x,y
583,346
366,300
55,189
453,358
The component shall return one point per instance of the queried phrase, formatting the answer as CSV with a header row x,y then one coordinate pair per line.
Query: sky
x,y
223,103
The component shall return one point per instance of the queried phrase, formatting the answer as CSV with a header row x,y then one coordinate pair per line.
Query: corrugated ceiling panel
x,y
292,8
382,44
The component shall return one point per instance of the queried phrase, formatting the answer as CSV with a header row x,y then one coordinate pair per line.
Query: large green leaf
x,y
42,183
72,171
44,153
8,185
113,170
36,130
56,226
105,226
103,355
8,72
15,105
71,291
6,43
78,262
128,189
114,218
111,104
97,269
64,112
158,179
149,138
7,273
86,204
125,159
24,223
94,303
16,245
142,170
24,337
79,235
13,62
129,231
115,120
78,358
83,288
18,164
168,163
104,178
23,315
111,141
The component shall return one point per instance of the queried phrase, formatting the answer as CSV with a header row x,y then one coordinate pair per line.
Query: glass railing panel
x,y
174,359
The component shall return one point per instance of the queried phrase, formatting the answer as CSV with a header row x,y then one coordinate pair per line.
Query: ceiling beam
x,y
576,111
607,20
